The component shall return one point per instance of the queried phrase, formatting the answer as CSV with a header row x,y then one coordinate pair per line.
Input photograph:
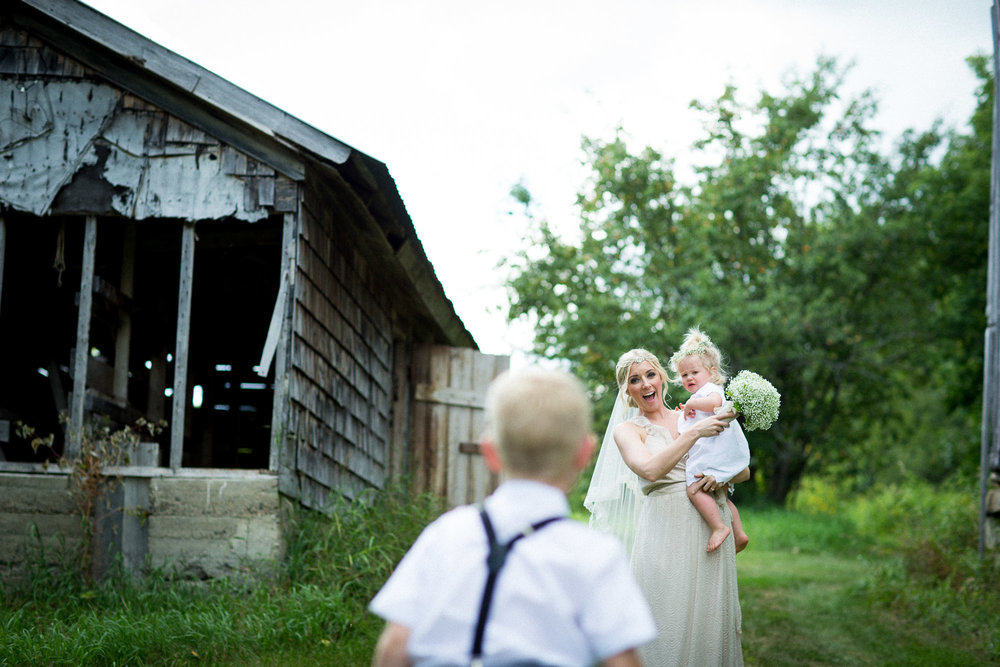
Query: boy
x,y
563,595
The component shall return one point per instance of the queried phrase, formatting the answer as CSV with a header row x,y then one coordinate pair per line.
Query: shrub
x,y
928,535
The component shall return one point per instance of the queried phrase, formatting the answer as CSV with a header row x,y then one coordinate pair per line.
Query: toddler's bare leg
x,y
740,537
705,504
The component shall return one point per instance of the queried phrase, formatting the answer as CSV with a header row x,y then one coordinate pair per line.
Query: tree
x,y
785,249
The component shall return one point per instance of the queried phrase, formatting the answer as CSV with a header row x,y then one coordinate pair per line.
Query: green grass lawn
x,y
814,591
807,589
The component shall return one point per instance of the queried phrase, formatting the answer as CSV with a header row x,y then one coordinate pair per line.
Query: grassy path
x,y
812,609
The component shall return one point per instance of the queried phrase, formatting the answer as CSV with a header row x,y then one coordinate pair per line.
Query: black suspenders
x,y
494,561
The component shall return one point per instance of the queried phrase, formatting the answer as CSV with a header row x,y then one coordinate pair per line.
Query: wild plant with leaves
x,y
102,446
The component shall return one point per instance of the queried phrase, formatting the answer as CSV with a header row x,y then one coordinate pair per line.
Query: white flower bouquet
x,y
754,398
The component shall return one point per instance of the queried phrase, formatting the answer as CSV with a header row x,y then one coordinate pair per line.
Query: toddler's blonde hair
x,y
537,419
697,344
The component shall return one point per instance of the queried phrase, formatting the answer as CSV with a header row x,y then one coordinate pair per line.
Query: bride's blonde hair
x,y
624,365
697,344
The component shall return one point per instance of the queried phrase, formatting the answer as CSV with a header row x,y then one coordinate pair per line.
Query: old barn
x,y
174,248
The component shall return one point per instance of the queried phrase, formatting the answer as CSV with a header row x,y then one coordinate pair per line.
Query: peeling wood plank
x,y
167,90
286,195
42,149
68,150
265,192
274,327
280,417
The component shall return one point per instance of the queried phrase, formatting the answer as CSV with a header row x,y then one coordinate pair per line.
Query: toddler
x,y
697,366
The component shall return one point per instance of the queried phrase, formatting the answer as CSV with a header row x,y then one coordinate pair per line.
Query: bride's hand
x,y
727,416
709,426
706,483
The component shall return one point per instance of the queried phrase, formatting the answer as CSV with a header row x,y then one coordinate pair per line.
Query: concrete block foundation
x,y
196,523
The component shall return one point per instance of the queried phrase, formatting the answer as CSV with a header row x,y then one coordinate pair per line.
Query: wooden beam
x,y
182,345
989,457
82,349
3,246
279,406
465,398
123,337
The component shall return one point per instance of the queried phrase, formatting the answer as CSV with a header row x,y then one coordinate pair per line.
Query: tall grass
x,y
311,607
924,542
917,543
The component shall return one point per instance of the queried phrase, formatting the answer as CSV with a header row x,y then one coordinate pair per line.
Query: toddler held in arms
x,y
697,366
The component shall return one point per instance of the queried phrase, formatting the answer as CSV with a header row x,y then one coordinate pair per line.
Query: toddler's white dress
x,y
721,456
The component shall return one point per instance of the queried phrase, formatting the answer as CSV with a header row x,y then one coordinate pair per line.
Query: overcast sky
x,y
461,99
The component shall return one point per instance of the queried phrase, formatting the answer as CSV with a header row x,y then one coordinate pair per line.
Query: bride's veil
x,y
614,495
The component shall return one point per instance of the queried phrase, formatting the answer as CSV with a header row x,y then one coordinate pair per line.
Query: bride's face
x,y
645,386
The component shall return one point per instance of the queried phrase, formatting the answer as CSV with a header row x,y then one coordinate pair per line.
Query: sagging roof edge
x,y
279,126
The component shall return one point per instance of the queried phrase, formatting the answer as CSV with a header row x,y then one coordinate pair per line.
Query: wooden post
x,y
286,308
82,349
3,246
990,444
182,344
123,339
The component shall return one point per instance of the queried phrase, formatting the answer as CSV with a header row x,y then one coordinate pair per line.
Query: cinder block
x,y
37,494
214,497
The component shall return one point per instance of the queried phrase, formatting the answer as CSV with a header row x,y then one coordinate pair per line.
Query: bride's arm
x,y
652,467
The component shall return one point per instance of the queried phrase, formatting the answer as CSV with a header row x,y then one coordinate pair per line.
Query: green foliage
x,y
923,540
800,532
806,590
851,279
310,609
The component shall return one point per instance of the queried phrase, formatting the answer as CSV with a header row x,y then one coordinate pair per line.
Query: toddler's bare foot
x,y
741,540
718,536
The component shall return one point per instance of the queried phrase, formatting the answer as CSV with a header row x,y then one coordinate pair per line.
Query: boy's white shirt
x,y
564,596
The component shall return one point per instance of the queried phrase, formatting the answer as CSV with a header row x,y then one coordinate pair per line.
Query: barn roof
x,y
247,122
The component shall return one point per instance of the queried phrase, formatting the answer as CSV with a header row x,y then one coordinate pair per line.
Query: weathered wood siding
x,y
448,393
73,143
340,377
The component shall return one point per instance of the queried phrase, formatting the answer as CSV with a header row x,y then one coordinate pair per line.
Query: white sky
x,y
461,99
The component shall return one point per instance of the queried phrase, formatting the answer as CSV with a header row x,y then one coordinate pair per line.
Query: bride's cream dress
x,y
692,593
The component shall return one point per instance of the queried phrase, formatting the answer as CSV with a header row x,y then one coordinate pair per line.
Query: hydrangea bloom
x,y
755,399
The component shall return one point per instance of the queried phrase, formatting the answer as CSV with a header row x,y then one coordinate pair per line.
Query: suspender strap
x,y
494,561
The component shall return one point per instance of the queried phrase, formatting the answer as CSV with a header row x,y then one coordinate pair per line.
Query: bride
x,y
638,492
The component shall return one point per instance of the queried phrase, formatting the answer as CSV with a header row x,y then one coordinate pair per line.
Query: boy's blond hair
x,y
537,419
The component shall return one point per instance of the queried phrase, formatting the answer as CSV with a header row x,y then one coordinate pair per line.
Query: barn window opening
x,y
236,280
133,331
